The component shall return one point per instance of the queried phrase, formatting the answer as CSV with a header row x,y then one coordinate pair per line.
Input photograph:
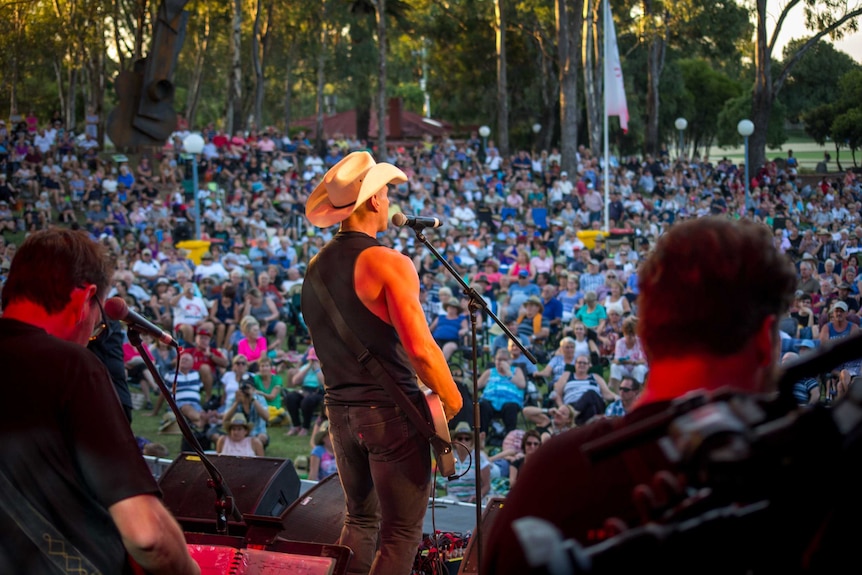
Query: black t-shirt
x,y
66,445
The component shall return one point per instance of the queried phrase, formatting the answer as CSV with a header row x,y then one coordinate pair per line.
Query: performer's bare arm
x,y
152,536
386,282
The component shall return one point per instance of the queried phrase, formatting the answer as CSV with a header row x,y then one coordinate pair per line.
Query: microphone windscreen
x,y
116,308
399,219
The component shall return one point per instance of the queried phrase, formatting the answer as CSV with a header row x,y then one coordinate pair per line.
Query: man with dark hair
x,y
711,295
384,463
71,472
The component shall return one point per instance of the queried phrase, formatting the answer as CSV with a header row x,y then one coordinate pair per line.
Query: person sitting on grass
x,y
253,406
321,464
237,441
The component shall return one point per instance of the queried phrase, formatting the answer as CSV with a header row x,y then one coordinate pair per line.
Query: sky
x,y
794,27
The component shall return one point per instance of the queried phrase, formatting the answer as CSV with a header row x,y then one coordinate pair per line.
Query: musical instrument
x,y
445,457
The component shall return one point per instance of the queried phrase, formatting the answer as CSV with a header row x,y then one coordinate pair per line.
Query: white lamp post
x,y
680,124
745,129
484,131
194,145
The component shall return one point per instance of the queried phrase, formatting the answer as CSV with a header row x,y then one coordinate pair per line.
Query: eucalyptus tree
x,y
831,18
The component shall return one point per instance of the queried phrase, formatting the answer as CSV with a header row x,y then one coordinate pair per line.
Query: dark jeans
x,y
385,469
305,401
509,415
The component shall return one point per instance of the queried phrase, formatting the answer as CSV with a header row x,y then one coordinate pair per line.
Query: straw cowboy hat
x,y
346,186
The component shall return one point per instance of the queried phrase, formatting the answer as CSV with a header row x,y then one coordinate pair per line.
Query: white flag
x,y
615,93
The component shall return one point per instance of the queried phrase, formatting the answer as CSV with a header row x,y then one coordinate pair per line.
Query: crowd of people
x,y
521,230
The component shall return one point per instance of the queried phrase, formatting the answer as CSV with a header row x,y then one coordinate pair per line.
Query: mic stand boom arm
x,y
477,302
224,498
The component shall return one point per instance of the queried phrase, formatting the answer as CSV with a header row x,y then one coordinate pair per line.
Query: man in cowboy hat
x,y
383,462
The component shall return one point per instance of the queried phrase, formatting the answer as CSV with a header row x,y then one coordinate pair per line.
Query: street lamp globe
x,y
680,124
537,128
484,131
745,128
193,144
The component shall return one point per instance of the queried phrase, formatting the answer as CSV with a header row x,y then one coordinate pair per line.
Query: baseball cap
x,y
839,305
523,274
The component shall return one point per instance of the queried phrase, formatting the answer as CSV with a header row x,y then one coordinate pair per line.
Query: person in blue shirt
x,y
553,308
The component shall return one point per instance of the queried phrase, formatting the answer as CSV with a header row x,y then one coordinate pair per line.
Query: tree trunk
x,y
233,116
321,82
381,79
502,83
288,68
550,88
197,73
69,109
593,77
655,64
61,84
257,65
569,16
762,97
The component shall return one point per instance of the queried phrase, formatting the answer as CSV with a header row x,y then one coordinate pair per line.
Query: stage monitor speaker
x,y
318,515
470,563
260,486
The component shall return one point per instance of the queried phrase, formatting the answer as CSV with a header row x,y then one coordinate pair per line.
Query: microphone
x,y
415,222
116,309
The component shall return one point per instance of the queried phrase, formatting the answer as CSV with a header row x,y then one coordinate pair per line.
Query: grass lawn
x,y
280,445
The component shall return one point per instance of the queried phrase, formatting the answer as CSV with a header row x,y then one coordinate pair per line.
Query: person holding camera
x,y
252,405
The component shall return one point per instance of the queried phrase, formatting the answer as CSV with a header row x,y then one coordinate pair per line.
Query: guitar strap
x,y
373,365
53,544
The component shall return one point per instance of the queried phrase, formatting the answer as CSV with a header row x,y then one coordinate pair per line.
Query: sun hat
x,y
239,420
346,186
322,432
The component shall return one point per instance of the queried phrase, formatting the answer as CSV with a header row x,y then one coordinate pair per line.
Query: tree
x,y
826,17
847,128
812,82
706,91
739,109
502,82
569,17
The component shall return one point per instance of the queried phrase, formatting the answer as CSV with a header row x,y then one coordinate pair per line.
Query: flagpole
x,y
606,15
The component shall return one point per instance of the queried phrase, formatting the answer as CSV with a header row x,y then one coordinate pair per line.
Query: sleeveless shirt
x,y
346,382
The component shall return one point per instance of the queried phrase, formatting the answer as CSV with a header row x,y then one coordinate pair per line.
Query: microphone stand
x,y
477,302
224,498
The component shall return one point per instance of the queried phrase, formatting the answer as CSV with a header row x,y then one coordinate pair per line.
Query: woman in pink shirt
x,y
253,345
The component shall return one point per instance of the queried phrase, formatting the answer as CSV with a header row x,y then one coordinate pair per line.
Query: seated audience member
x,y
807,390
306,396
264,310
529,444
552,421
586,392
629,356
321,463
502,392
208,360
253,345
224,314
270,386
448,328
237,441
189,388
463,488
708,271
565,356
253,406
630,390
231,380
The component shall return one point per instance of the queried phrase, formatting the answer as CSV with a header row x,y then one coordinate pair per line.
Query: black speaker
x,y
317,516
260,485
470,563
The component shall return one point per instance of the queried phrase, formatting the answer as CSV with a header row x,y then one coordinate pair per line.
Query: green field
x,y
280,444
